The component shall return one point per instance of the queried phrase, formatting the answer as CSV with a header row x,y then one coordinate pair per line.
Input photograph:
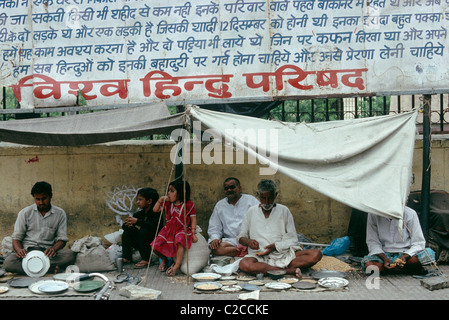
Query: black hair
x,y
149,193
179,187
41,187
232,178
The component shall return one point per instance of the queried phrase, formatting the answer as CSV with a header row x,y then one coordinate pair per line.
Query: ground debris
x,y
332,263
436,283
135,292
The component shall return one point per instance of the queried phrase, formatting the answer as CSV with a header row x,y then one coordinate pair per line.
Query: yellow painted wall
x,y
83,176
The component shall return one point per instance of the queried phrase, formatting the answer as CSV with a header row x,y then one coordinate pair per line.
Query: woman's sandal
x,y
164,265
122,277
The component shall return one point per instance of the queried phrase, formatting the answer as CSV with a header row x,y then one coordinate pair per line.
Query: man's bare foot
x,y
294,271
298,273
141,264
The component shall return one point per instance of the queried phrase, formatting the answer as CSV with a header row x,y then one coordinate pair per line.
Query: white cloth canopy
x,y
91,128
365,163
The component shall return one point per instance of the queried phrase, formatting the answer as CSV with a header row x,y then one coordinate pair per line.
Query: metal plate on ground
x,y
333,282
34,287
257,282
53,286
250,287
206,276
328,274
207,286
22,282
246,278
305,285
71,276
88,285
277,285
231,288
289,280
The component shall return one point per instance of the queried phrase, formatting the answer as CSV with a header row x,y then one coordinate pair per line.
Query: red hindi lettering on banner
x,y
54,87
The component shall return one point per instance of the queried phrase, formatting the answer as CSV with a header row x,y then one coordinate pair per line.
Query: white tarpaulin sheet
x,y
363,163
91,128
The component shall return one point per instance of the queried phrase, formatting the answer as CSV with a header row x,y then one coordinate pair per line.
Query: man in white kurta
x,y
270,234
226,219
391,251
278,229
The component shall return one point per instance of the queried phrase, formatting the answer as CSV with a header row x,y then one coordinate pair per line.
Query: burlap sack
x,y
92,256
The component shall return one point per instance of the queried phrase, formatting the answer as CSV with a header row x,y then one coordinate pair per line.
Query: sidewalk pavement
x,y
360,287
364,295
181,288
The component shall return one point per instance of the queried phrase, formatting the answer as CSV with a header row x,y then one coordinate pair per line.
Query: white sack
x,y
91,255
198,255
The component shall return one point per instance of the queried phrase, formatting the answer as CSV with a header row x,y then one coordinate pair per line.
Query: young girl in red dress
x,y
171,240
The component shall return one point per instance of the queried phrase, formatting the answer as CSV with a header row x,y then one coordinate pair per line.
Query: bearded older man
x,y
269,232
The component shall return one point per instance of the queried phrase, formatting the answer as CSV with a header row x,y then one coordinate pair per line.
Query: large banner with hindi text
x,y
211,51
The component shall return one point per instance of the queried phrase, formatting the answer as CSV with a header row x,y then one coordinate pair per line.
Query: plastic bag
x,y
337,246
115,251
227,269
114,237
